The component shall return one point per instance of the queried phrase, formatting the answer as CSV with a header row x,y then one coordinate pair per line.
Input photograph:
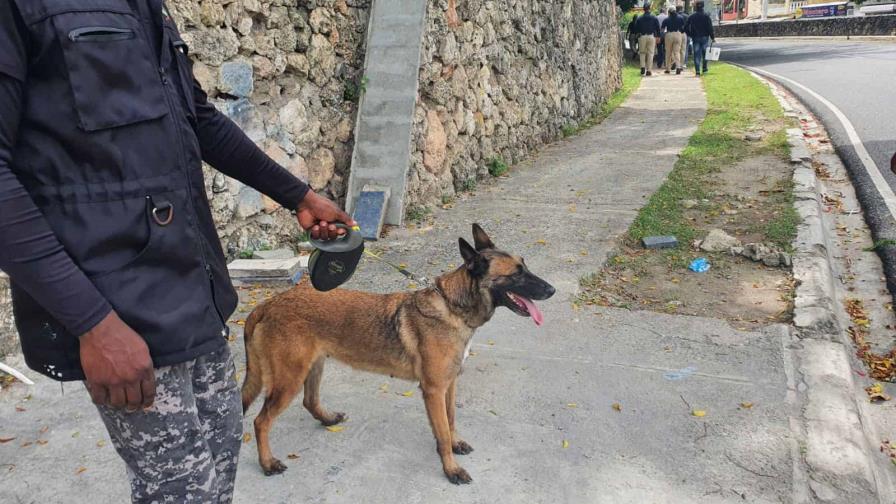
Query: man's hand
x,y
117,365
317,214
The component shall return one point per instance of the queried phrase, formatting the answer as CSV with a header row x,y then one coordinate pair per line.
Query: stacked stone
x,y
280,69
500,78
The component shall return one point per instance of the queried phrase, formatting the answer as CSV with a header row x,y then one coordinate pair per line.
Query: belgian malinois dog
x,y
422,336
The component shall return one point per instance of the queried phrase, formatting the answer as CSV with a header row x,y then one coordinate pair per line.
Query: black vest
x,y
108,151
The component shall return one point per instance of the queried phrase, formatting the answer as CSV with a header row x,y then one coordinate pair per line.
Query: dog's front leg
x,y
458,445
434,397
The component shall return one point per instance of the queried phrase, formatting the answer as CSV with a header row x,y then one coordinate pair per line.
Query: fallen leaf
x,y
101,443
698,413
44,429
240,322
408,393
26,444
493,412
876,393
292,456
384,387
565,444
6,439
617,406
541,241
75,434
42,442
746,405
412,285
20,409
572,405
247,437
80,470
335,428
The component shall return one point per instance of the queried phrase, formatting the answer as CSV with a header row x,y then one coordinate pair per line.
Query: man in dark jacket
x,y
699,28
632,37
648,29
118,277
674,28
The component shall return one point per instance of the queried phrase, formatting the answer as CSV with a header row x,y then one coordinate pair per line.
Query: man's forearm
x,y
29,251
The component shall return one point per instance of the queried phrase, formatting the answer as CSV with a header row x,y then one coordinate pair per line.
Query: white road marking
x,y
883,188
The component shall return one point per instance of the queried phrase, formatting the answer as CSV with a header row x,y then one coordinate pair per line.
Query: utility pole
x,y
764,9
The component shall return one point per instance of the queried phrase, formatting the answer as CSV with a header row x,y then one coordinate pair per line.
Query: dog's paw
x,y
461,447
275,467
333,419
459,476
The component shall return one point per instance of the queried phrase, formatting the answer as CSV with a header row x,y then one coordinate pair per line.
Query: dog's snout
x,y
549,291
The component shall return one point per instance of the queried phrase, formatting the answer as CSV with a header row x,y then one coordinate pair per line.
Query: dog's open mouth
x,y
526,308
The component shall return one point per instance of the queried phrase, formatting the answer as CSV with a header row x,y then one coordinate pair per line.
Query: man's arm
x,y
114,358
712,33
230,151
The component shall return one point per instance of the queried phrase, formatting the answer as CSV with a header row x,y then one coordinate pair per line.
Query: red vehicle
x,y
735,9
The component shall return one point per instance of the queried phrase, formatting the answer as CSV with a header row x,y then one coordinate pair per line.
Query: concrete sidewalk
x,y
525,390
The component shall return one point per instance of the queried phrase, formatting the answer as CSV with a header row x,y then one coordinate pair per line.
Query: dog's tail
x,y
253,383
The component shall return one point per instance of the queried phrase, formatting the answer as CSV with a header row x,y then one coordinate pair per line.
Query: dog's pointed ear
x,y
467,251
481,239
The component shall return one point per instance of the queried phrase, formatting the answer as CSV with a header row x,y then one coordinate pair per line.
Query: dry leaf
x,y
876,393
240,322
384,387
572,405
335,428
491,342
408,393
20,409
26,444
698,413
617,406
42,442
541,241
746,405
247,437
292,456
100,443
44,429
75,434
80,470
6,439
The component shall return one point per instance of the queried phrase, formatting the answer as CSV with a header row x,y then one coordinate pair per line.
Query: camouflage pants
x,y
185,447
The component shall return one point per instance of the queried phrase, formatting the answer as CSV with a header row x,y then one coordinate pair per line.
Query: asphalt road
x,y
857,77
848,85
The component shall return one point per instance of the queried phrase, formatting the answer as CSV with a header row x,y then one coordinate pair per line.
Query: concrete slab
x,y
267,271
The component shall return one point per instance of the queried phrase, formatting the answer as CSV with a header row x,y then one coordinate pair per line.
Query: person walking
x,y
648,30
661,44
686,43
674,26
699,28
117,273
633,37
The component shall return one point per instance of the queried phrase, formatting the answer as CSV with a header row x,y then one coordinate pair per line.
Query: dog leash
x,y
409,275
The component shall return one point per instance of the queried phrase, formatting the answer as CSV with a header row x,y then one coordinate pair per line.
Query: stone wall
x,y
498,79
9,339
821,27
289,74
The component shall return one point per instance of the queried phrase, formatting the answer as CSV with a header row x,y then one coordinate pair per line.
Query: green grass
x,y
497,167
418,213
736,101
781,229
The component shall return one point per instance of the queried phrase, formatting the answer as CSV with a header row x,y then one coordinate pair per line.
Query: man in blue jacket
x,y
648,29
699,28
118,277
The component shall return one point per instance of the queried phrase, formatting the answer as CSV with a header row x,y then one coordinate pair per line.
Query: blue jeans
x,y
700,45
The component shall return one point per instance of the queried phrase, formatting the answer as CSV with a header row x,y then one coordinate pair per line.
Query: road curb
x,y
837,457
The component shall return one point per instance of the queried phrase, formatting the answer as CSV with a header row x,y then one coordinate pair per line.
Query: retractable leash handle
x,y
334,261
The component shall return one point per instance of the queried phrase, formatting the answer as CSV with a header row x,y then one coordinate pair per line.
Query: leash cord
x,y
410,276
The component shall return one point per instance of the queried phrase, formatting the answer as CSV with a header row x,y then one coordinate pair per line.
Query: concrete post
x,y
764,10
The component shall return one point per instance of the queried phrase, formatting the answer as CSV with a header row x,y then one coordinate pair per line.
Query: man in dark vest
x,y
699,28
118,277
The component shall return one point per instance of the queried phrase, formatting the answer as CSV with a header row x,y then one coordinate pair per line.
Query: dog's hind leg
x,y
285,386
311,400
458,445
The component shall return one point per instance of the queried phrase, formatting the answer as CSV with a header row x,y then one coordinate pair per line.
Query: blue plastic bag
x,y
699,265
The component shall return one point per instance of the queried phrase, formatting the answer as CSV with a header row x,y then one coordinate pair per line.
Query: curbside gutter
x,y
838,455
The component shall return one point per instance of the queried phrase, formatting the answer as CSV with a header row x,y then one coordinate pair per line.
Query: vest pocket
x,y
112,74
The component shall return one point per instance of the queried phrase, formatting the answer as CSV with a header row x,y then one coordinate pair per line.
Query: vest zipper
x,y
211,282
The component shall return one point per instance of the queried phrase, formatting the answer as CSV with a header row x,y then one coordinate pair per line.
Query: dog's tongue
x,y
534,312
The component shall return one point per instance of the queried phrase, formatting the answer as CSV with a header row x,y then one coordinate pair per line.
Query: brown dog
x,y
422,336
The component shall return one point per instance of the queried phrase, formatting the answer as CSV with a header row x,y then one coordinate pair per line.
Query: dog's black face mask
x,y
507,278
